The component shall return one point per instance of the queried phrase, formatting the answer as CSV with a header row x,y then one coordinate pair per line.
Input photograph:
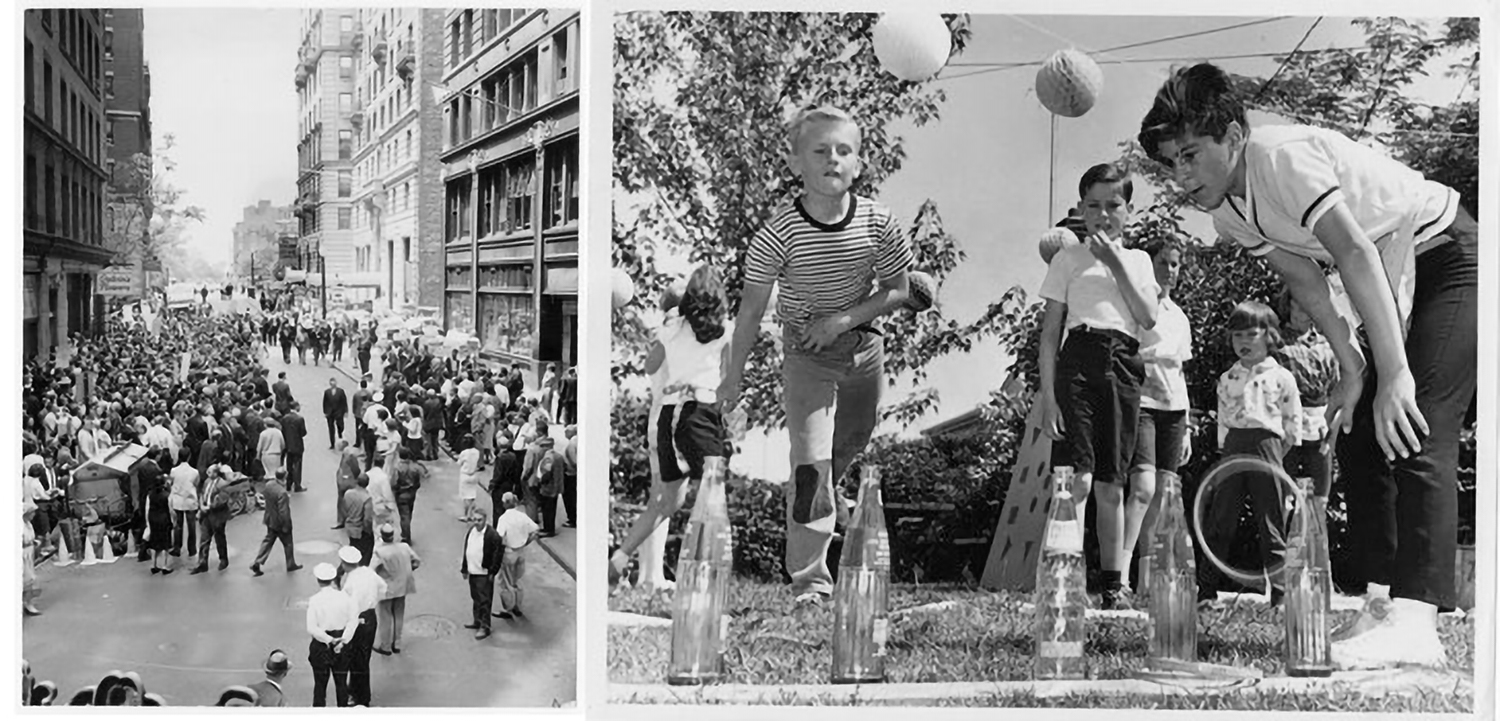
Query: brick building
x,y
256,240
509,249
64,173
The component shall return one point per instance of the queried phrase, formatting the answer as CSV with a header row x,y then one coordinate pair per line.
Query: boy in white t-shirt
x,y
1091,388
692,350
1407,253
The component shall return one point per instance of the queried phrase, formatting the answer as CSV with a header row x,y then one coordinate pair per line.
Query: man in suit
x,y
432,421
360,400
278,520
293,431
262,386
197,431
282,391
268,692
213,516
335,407
347,476
483,552
359,516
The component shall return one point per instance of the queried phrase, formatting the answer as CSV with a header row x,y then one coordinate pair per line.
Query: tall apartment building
x,y
256,239
397,131
64,173
128,141
331,38
509,250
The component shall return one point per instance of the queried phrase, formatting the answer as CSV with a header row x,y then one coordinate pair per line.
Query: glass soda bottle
x,y
1172,577
860,620
1308,585
1061,595
699,623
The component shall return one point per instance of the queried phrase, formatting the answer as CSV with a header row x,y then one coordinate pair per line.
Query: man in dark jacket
x,y
432,421
335,408
294,430
482,553
283,392
197,430
361,398
213,514
278,520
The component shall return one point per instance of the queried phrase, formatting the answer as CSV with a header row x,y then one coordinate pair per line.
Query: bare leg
x,y
1141,508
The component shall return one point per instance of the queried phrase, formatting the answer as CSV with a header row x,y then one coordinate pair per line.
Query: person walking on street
x,y
184,504
468,474
268,690
432,421
358,402
394,561
213,517
507,476
278,520
517,531
283,392
547,482
346,475
570,475
331,621
366,589
335,408
359,515
481,562
271,448
375,419
294,431
407,481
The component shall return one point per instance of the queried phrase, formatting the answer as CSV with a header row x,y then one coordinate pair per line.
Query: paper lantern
x,y
912,46
923,291
1069,83
622,288
1053,240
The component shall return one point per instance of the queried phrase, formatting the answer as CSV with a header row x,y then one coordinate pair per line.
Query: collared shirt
x,y
474,551
331,609
1165,348
1263,396
1091,291
515,528
364,587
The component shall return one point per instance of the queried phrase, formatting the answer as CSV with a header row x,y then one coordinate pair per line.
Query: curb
x,y
557,556
1374,683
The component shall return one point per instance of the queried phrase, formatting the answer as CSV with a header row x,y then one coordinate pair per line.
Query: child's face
x,y
1250,345
1167,263
1105,208
1204,167
827,157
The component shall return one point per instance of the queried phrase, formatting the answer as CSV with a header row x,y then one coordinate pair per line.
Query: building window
x,y
406,195
408,153
346,66
29,70
344,218
346,103
109,43
562,183
31,204
346,183
346,144
346,24
49,193
506,322
504,18
457,225
518,194
560,57
490,190
109,85
467,33
454,44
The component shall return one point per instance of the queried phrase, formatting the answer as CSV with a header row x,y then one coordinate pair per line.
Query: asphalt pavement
x,y
189,636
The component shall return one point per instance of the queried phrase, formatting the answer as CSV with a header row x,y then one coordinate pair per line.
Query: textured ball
x,y
923,291
1053,240
1069,83
622,288
912,46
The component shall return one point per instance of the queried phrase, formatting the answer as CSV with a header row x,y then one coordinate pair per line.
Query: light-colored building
x,y
64,174
509,250
256,236
324,76
397,125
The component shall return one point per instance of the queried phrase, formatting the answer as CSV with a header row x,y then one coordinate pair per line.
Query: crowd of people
x,y
221,437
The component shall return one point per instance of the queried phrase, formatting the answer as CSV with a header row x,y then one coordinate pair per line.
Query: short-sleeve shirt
x,y
514,527
1294,174
1082,282
1263,396
693,369
1165,348
825,269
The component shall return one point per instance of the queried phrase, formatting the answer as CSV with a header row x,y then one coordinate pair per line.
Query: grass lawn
x,y
985,636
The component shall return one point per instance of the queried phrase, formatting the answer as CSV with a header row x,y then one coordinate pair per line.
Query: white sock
x,y
1375,590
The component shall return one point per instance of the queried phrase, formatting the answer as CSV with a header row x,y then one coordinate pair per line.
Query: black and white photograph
x,y
299,356
1047,361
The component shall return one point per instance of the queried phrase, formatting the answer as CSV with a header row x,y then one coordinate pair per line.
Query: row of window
x,y
513,90
397,150
398,199
506,193
505,321
63,199
78,41
367,260
62,109
472,29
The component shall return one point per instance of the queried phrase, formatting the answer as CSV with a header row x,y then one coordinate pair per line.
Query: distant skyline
x,y
221,84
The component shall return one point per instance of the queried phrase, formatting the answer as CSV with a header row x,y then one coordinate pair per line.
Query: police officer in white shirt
x,y
331,621
365,588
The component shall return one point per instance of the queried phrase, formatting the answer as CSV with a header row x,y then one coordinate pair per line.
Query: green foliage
x,y
147,216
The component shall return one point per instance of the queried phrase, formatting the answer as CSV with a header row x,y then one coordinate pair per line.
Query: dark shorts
x,y
1098,386
692,430
1158,441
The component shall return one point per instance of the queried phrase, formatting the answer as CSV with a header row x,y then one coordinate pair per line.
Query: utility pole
x,y
323,285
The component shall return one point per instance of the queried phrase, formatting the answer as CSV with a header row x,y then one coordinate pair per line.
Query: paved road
x,y
189,636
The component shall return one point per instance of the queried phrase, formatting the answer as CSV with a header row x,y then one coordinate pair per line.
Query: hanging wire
x,y
1128,46
1285,62
986,68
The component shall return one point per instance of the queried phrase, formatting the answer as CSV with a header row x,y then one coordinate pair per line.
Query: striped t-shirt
x,y
823,268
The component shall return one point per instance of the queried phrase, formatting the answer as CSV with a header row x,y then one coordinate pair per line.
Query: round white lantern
x,y
622,288
923,290
1069,83
1053,241
912,46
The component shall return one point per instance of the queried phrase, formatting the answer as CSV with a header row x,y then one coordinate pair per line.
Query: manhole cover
x,y
296,603
316,548
429,626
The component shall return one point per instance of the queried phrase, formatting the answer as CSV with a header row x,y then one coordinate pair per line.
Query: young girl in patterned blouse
x,y
1259,411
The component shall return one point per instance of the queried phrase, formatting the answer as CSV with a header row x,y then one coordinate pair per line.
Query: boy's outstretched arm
x,y
1053,316
753,302
891,295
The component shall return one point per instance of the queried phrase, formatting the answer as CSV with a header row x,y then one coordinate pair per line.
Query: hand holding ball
x,y
1069,83
912,46
622,288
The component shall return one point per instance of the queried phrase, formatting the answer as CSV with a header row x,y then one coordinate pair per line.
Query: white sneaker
x,y
1377,607
1406,636
812,598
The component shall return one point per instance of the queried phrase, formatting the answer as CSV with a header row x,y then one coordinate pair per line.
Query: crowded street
x,y
190,635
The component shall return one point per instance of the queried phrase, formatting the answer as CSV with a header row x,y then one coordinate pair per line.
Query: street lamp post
x,y
323,284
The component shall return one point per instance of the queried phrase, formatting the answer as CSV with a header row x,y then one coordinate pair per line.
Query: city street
x,y
190,636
